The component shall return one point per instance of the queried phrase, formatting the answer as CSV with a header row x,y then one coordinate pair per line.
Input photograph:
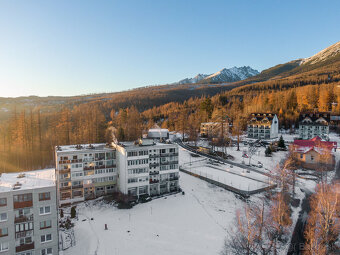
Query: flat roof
x,y
83,147
27,180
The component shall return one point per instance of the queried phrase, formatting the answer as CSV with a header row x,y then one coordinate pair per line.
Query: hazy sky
x,y
79,47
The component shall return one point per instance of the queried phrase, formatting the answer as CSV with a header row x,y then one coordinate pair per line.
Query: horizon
x,y
83,48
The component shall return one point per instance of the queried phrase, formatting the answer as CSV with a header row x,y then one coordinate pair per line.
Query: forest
x,y
29,134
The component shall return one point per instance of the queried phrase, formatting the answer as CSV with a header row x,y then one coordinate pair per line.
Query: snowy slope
x,y
323,55
224,75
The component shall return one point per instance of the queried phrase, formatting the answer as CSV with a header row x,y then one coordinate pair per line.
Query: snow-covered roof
x,y
82,147
158,130
27,180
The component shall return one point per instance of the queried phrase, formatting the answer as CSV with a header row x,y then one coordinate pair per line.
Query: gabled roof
x,y
261,116
316,144
314,116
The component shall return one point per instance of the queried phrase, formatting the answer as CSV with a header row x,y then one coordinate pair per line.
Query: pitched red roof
x,y
314,142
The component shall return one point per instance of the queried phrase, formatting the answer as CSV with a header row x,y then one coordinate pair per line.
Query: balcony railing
x,y
165,155
23,234
111,166
88,167
154,173
154,164
65,188
173,153
154,156
100,167
77,186
153,181
64,171
76,161
23,204
165,163
174,178
24,247
23,218
64,161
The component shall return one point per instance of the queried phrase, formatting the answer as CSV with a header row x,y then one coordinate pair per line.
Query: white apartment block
x,y
214,129
147,168
263,126
314,124
85,172
28,213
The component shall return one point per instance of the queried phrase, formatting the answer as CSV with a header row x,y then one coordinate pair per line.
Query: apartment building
x,y
28,213
85,171
214,129
314,124
147,167
263,126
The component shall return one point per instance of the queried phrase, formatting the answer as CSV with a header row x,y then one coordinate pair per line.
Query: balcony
x,y
23,234
80,186
64,171
174,162
165,155
64,161
24,247
88,167
154,173
165,163
154,164
164,180
23,218
111,166
23,204
154,156
76,161
174,178
99,167
65,188
153,181
173,153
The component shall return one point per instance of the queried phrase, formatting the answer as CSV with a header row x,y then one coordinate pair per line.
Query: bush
x,y
73,212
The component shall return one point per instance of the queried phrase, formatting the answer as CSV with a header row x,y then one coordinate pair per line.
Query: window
x,y
3,246
23,197
44,196
301,156
23,227
3,232
3,201
3,217
45,210
46,251
311,157
46,238
45,224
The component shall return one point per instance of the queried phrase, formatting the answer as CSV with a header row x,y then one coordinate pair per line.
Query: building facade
x,y
263,126
314,124
85,172
147,168
214,129
314,153
28,213
158,133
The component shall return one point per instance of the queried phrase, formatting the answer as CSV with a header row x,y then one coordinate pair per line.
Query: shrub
x,y
73,212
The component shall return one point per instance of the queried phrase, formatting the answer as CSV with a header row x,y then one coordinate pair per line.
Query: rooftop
x,y
141,143
27,180
83,147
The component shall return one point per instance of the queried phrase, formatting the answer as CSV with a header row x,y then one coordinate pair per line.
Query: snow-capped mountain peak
x,y
224,75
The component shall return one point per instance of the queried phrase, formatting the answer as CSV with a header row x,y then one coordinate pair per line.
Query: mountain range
x,y
223,76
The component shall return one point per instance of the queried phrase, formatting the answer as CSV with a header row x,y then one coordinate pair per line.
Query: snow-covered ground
x,y
233,176
194,223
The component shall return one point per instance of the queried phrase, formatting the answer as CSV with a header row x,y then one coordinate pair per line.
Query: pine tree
x,y
281,143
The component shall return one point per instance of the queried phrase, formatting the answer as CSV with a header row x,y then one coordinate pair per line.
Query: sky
x,y
71,47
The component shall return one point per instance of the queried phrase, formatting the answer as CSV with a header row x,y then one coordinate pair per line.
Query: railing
x,y
77,186
154,164
88,167
164,180
154,173
154,156
100,167
76,161
64,161
165,163
173,153
23,218
24,247
153,181
64,171
165,155
174,178
111,166
173,161
25,233
24,204
65,188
